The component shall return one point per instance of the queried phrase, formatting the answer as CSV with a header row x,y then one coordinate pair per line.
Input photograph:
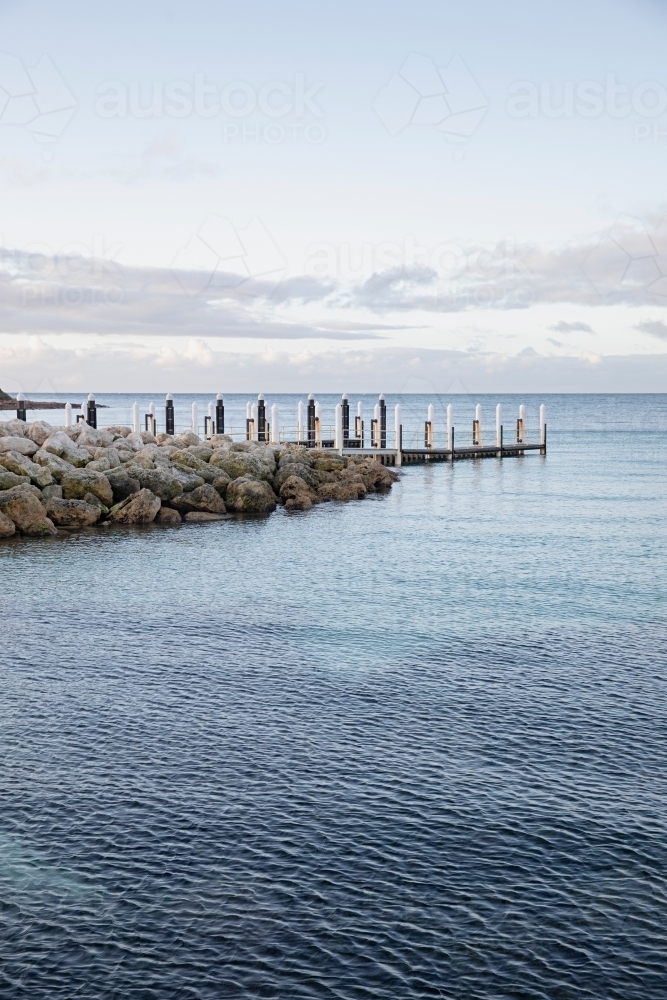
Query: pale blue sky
x,y
523,206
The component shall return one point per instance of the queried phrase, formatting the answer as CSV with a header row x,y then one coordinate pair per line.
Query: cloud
x,y
563,327
655,327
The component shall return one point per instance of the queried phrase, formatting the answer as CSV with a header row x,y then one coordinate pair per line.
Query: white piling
x,y
338,429
275,437
84,410
521,428
543,423
151,409
195,419
376,435
136,423
478,422
318,425
398,433
499,424
68,414
450,425
300,423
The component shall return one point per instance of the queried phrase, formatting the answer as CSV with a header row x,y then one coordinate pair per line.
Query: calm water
x,y
410,747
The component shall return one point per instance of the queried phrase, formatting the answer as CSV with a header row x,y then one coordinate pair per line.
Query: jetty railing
x,y
378,436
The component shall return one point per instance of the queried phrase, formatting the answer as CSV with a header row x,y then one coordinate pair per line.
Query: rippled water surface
x,y
414,746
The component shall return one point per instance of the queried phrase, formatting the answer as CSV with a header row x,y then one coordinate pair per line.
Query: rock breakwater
x,y
73,477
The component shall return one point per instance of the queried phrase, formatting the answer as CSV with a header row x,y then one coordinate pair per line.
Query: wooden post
x,y
300,424
195,419
521,425
275,437
219,414
359,424
499,428
136,425
91,411
169,414
68,414
338,428
477,426
450,427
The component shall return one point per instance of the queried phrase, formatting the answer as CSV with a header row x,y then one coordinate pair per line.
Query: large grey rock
x,y
26,511
61,444
56,466
122,485
79,482
119,430
13,427
7,526
162,482
250,496
188,480
166,515
9,479
91,437
204,498
53,492
185,458
203,472
201,451
239,464
185,439
148,438
94,501
98,465
142,459
38,431
221,482
304,472
72,513
20,465
220,441
21,445
141,508
296,494
133,442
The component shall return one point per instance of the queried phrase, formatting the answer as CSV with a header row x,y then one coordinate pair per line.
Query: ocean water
x,y
409,747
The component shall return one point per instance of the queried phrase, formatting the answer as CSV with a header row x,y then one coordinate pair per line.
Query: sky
x,y
299,196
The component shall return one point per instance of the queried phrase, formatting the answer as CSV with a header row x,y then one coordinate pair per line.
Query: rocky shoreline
x,y
75,477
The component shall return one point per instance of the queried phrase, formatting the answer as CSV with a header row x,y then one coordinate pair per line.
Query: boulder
x,y
122,484
188,480
162,482
7,526
132,442
199,516
60,444
56,466
21,445
301,501
329,463
91,437
22,466
13,427
185,458
220,441
304,472
239,464
118,430
166,515
375,475
296,453
79,482
250,496
99,465
148,438
94,501
296,488
39,431
200,451
26,511
9,479
204,472
221,482
341,491
204,498
185,439
72,513
145,461
141,508
53,492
